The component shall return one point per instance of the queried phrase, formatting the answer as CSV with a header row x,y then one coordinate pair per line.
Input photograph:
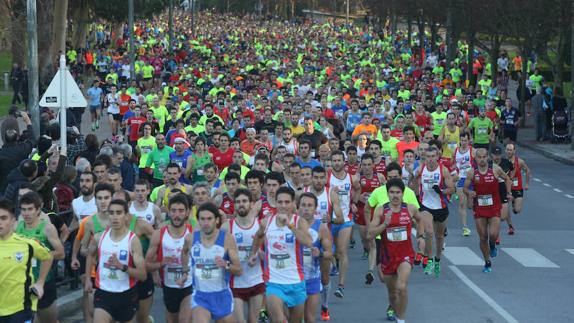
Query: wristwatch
x,y
125,268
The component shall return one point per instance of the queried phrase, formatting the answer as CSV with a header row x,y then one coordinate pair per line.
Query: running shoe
x,y
418,259
436,269
487,268
93,127
493,251
339,292
429,268
98,124
263,317
391,314
352,244
465,232
365,255
497,241
445,232
425,262
369,277
334,271
325,314
510,230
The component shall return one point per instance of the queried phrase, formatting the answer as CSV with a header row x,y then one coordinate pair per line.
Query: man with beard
x,y
84,205
172,174
159,157
248,288
164,254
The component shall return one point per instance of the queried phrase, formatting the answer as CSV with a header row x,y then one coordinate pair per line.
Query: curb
x,y
546,153
70,303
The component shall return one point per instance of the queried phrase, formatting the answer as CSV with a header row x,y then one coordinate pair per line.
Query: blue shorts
x,y
291,294
219,304
338,227
460,183
94,108
313,286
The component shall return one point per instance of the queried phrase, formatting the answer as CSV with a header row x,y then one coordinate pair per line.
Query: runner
x,y
249,288
214,257
41,230
172,175
227,205
434,183
463,157
284,237
321,250
518,183
17,253
394,222
508,168
369,181
486,198
348,188
141,207
119,260
164,254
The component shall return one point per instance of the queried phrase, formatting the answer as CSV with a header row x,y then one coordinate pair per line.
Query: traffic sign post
x,y
62,93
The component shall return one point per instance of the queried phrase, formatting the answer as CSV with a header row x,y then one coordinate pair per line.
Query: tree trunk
x,y
60,23
17,30
470,56
409,30
524,74
293,3
81,20
47,59
421,26
433,30
494,51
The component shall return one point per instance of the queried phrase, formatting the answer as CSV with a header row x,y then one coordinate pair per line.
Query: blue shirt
x,y
94,95
182,162
312,163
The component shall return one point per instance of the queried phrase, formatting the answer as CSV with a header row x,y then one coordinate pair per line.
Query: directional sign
x,y
52,96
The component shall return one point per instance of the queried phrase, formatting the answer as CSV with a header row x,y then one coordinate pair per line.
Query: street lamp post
x,y
132,45
33,88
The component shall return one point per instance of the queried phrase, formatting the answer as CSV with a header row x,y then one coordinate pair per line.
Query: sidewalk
x,y
559,152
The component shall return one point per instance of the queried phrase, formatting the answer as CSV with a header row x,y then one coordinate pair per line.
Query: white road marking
x,y
507,316
570,251
569,196
546,184
462,256
557,190
537,179
529,257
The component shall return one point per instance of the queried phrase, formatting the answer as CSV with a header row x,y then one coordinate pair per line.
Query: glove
x,y
437,189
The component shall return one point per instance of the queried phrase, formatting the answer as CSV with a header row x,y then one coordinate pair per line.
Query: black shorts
x,y
517,194
146,288
172,297
503,193
378,243
116,116
121,306
50,295
438,215
509,133
18,317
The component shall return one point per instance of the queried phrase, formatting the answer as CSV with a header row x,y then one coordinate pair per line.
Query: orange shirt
x,y
402,146
249,148
371,130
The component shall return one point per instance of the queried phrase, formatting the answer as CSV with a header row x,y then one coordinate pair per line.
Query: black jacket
x,y
15,179
11,154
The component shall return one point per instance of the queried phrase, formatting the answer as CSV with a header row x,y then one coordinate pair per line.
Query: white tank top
x,y
463,162
312,264
344,192
251,276
207,276
430,198
146,214
108,278
171,247
283,254
290,147
324,206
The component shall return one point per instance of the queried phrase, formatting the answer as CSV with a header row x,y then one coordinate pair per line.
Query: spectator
x,y
16,147
92,148
538,109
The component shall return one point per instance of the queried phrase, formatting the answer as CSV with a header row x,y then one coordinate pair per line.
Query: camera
x,y
14,112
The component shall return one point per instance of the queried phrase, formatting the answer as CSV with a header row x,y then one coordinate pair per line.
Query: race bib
x,y
210,272
482,131
200,171
452,145
279,260
485,200
174,273
515,182
146,150
397,234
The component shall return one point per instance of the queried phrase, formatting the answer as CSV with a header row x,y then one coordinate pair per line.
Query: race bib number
x,y
452,145
210,272
174,273
482,131
485,200
146,150
515,182
279,260
397,234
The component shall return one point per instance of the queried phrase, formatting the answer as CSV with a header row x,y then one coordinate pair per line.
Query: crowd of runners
x,y
241,160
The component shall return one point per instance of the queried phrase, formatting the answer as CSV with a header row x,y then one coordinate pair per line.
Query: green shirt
x,y
145,146
160,159
147,71
38,234
438,122
390,148
379,197
481,130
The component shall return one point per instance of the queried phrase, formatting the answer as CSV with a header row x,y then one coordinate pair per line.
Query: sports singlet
x,y
146,214
353,119
381,167
344,191
109,278
368,185
39,235
351,168
207,276
283,254
324,206
251,276
290,147
429,198
487,200
397,235
227,204
517,179
451,140
266,208
165,199
463,161
311,264
170,248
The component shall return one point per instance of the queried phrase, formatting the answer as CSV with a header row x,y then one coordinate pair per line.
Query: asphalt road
x,y
531,279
